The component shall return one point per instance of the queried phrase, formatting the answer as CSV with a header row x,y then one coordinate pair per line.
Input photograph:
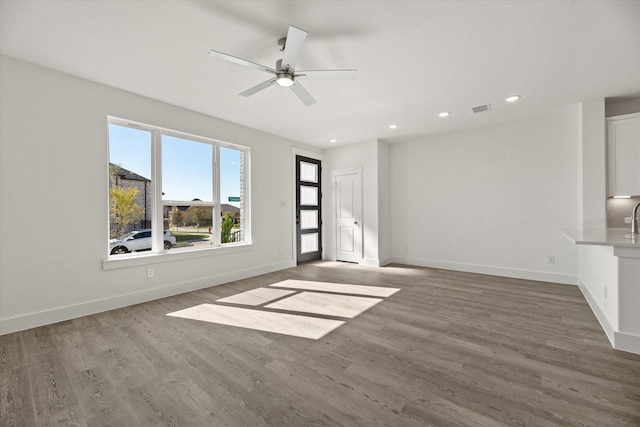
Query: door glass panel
x,y
308,219
308,172
308,243
308,196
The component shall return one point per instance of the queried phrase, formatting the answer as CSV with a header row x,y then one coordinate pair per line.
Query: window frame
x,y
157,254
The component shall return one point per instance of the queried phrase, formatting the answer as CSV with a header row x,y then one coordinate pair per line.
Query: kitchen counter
x,y
617,237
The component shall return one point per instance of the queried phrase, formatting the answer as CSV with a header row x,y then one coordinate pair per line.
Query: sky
x,y
186,165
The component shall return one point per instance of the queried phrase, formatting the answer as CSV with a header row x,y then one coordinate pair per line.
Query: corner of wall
x,y
592,169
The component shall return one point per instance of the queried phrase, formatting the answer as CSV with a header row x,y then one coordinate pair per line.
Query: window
x,y
232,162
169,191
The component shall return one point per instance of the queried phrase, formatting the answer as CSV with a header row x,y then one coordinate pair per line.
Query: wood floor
x,y
449,349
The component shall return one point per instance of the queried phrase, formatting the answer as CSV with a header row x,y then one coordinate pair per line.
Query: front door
x,y
308,209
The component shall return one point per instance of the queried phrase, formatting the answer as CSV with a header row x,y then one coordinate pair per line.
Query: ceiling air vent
x,y
481,108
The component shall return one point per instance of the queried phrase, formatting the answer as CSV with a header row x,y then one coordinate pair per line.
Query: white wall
x,y
363,155
384,202
592,166
490,200
53,192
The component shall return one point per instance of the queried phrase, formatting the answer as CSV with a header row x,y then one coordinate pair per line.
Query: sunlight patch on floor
x,y
280,323
300,296
256,296
374,291
326,304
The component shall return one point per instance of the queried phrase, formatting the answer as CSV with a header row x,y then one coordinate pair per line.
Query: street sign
x,y
234,199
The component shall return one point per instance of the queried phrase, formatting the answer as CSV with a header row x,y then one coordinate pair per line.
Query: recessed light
x,y
333,140
393,126
513,98
444,114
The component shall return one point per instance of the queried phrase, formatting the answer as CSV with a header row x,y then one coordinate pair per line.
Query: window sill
x,y
146,258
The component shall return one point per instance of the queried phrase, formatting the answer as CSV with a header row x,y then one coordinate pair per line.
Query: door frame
x,y
297,151
357,170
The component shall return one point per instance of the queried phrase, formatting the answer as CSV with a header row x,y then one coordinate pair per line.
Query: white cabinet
x,y
623,145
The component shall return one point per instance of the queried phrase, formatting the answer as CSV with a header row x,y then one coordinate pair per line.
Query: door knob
x,y
355,222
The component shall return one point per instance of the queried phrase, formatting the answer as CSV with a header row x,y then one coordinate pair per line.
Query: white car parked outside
x,y
138,240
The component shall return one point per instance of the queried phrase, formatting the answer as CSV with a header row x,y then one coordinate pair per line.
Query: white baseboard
x,y
369,262
619,340
385,261
59,314
605,322
627,342
544,276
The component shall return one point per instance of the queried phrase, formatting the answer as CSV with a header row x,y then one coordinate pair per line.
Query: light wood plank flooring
x,y
449,349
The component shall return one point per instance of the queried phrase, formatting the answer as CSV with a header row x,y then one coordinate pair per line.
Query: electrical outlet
x,y
551,259
627,220
150,273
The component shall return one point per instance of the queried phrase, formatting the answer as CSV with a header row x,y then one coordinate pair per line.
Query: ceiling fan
x,y
285,74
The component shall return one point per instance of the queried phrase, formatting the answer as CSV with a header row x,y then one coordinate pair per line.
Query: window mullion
x,y
217,204
245,195
157,223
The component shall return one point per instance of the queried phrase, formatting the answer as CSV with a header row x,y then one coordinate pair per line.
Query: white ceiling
x,y
414,58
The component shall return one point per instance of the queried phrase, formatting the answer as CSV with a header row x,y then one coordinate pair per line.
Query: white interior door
x,y
348,216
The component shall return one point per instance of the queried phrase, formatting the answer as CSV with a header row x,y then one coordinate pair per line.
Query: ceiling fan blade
x,y
327,74
257,88
293,47
302,93
241,61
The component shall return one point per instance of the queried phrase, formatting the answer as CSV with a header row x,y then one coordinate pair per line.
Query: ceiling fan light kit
x,y
284,79
285,74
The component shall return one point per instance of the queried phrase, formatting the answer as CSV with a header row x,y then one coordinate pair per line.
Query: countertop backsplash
x,y
618,209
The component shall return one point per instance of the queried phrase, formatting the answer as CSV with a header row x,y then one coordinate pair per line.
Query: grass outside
x,y
185,238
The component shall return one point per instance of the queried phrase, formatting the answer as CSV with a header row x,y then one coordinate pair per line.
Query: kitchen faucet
x,y
634,220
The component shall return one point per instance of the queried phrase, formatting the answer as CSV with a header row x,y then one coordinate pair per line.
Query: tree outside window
x,y
176,218
124,209
200,216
